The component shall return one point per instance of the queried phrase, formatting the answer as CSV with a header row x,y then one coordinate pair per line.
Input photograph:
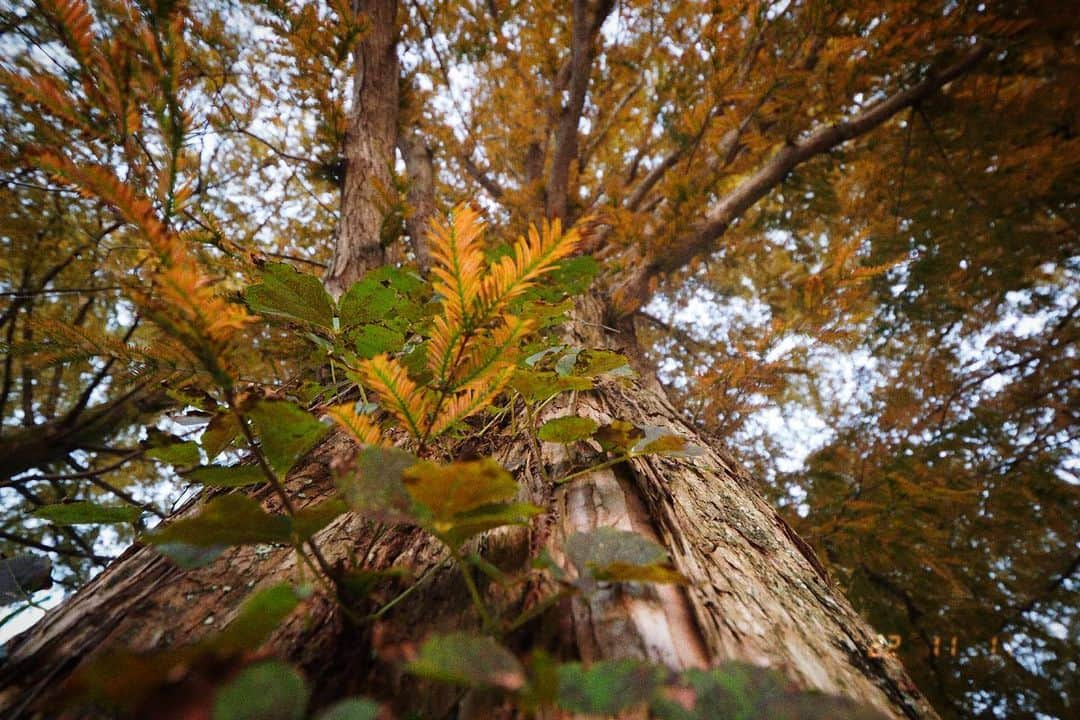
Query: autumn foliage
x,y
849,228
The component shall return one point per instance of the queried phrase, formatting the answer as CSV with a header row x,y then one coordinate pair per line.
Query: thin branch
x,y
37,545
702,236
587,19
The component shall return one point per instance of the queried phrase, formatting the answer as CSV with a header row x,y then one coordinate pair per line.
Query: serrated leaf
x,y
259,616
610,554
567,429
189,557
471,660
565,365
406,282
455,531
226,520
285,432
183,454
270,690
598,362
351,709
219,434
745,692
367,301
87,513
448,490
608,687
227,476
371,340
660,441
291,294
375,489
536,386
314,518
619,435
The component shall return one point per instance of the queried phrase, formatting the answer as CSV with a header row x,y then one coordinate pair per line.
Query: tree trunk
x,y
368,190
757,592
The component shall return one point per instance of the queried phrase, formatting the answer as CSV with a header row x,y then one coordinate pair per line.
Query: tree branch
x,y
588,17
701,237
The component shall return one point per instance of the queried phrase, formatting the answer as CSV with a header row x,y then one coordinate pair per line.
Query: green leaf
x,y
566,364
598,362
447,490
259,616
189,557
219,434
367,301
567,429
183,454
87,513
471,660
612,555
270,690
462,499
374,487
351,709
222,476
314,518
608,687
536,386
619,435
226,520
371,340
291,294
465,525
745,692
660,441
574,275
285,432
406,282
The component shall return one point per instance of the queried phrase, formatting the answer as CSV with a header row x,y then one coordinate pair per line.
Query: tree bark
x,y
757,592
369,149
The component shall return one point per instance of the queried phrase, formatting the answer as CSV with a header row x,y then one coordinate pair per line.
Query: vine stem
x,y
474,592
404,593
275,483
606,464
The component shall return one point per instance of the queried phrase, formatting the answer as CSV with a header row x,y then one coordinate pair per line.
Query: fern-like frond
x,y
445,347
362,428
472,398
75,21
402,397
97,181
47,92
493,352
457,261
531,258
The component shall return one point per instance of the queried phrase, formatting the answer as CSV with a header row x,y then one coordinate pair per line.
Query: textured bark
x,y
758,593
588,16
420,166
369,149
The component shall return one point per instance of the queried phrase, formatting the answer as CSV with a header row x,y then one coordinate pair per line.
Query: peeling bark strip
x,y
369,148
757,593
